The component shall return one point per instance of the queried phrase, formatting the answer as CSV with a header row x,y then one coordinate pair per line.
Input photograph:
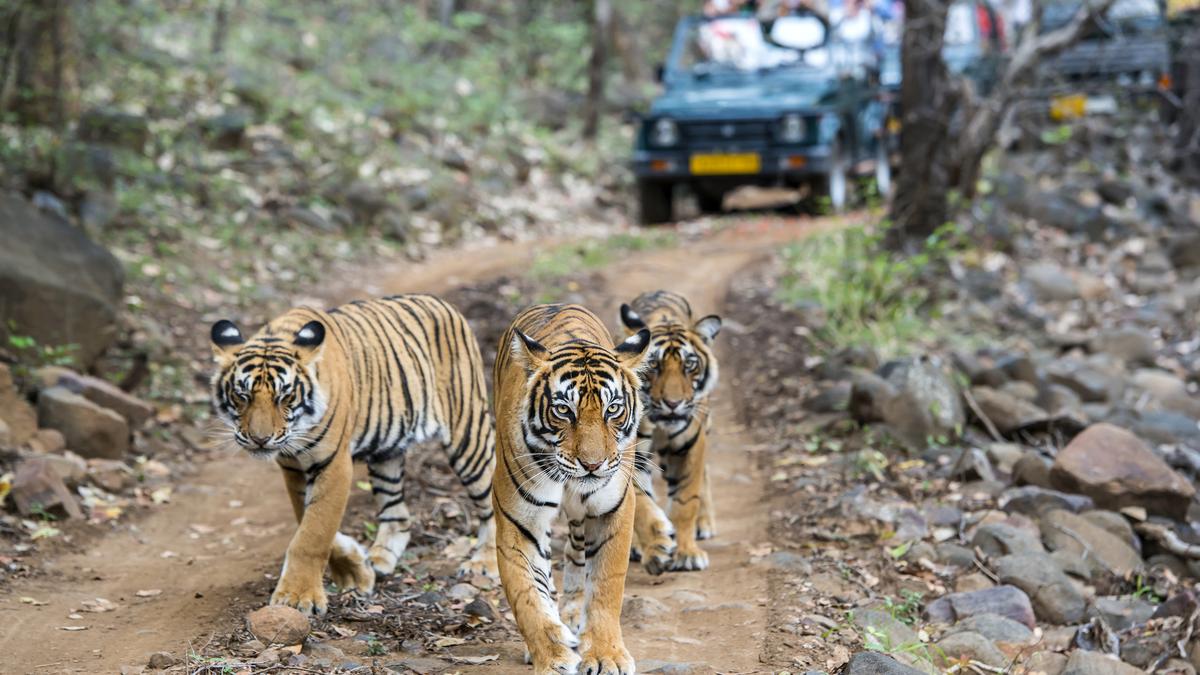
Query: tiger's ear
x,y
526,351
708,327
226,339
632,352
309,341
632,322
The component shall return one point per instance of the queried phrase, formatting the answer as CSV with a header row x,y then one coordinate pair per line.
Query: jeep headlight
x,y
791,128
664,132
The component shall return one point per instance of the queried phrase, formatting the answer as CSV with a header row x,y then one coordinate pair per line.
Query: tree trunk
x,y
220,27
1187,147
601,22
927,100
39,61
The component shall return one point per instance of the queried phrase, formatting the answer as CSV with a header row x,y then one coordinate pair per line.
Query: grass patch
x,y
591,254
870,295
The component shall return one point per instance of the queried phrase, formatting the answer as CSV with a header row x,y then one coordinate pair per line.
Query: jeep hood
x,y
741,98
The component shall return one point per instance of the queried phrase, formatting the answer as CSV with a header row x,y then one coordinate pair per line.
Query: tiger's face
x,y
266,390
681,368
581,408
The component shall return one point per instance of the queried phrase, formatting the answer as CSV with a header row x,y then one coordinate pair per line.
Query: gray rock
x,y
1113,467
1001,539
995,627
928,403
1104,552
1184,250
1050,283
481,608
1033,501
278,624
953,554
641,608
1083,662
1058,399
868,394
90,430
46,262
1005,455
1046,662
672,667
1088,382
1006,411
98,391
833,398
874,663
1032,469
1117,525
1022,390
37,488
1167,427
1055,597
1168,391
161,661
299,216
1131,345
70,467
1007,601
1019,367
970,645
1121,612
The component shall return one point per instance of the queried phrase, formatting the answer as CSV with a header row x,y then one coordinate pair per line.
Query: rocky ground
x,y
1009,490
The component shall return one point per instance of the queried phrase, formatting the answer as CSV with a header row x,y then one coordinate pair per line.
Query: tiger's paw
x,y
382,560
482,563
558,657
690,559
659,551
348,566
611,660
705,530
307,596
572,612
635,554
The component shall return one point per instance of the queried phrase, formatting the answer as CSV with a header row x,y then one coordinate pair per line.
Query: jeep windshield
x,y
740,44
1124,17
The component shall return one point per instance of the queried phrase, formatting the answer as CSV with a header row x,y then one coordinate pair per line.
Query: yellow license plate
x,y
1068,107
709,165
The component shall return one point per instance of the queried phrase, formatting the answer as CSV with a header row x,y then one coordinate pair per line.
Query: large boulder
x,y
90,430
56,285
1114,467
38,488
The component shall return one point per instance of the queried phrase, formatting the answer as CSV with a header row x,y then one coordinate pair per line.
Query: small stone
x,y
323,651
883,628
278,624
1007,412
1055,597
1049,663
15,411
90,430
1050,283
49,440
1083,662
161,660
970,645
1113,467
110,474
481,608
1000,539
1121,612
1104,552
1032,469
1034,501
1007,601
462,592
976,581
874,663
1132,345
671,667
1090,384
1005,455
996,628
642,608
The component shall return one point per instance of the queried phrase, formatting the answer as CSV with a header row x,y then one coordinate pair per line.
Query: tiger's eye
x,y
614,408
562,409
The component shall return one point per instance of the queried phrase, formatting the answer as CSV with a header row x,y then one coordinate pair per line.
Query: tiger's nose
x,y
672,405
590,466
260,441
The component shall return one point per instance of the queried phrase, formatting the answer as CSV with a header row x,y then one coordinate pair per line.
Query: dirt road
x,y
191,568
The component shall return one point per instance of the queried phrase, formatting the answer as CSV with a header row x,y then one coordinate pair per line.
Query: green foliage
x,y
375,647
31,355
869,295
906,609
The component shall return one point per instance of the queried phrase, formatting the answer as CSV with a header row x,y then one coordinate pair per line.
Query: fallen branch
x,y
987,423
1166,537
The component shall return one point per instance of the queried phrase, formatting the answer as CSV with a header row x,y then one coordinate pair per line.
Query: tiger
x,y
680,375
317,390
567,414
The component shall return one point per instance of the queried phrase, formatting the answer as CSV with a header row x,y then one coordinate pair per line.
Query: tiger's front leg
x,y
609,536
523,548
685,485
394,521
653,532
327,489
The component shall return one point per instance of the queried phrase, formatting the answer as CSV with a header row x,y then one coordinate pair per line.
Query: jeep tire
x,y
654,201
